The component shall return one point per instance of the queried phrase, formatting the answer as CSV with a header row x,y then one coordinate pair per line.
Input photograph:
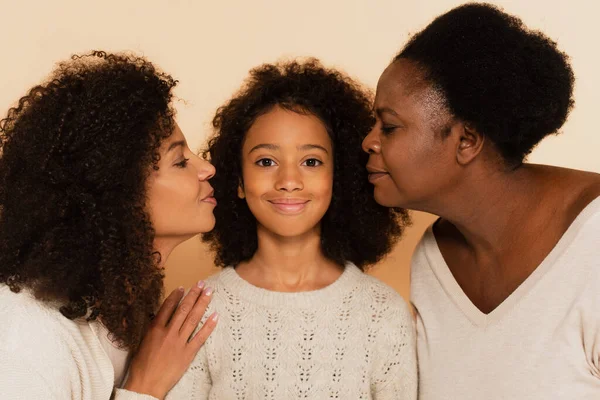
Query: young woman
x,y
296,225
97,186
506,283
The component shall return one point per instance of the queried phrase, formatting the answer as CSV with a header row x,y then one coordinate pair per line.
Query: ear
x,y
470,143
240,190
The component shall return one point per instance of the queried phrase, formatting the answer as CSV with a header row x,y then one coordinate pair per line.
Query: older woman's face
x,y
411,161
179,198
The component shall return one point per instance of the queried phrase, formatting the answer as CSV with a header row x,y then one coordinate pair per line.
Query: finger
x,y
195,315
200,338
185,307
168,306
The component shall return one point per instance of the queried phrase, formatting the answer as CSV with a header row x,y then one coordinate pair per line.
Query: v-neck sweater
x,y
542,342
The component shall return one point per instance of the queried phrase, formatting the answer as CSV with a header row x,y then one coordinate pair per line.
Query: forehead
x,y
280,126
403,86
402,78
175,136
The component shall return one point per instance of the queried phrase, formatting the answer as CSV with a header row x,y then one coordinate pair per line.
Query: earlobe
x,y
470,144
240,191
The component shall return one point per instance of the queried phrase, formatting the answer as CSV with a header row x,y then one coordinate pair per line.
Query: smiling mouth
x,y
288,206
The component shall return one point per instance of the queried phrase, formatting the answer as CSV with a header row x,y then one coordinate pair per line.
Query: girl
x,y
296,227
97,186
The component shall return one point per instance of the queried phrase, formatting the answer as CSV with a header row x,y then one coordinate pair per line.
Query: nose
x,y
371,143
205,169
289,179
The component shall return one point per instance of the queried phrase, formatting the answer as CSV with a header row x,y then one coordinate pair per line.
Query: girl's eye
x,y
387,129
312,162
183,163
265,162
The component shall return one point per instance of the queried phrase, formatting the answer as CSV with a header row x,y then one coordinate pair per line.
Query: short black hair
x,y
511,83
355,228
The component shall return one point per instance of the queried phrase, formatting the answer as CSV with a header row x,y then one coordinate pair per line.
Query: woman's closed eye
x,y
183,163
387,129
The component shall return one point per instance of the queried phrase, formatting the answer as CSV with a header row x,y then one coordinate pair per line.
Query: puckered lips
x,y
376,174
210,197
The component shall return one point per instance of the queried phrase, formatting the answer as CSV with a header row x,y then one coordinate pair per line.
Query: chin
x,y
210,224
290,230
386,199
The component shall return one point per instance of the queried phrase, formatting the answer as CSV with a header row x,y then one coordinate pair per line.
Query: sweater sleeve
x,y
590,329
395,366
122,394
20,379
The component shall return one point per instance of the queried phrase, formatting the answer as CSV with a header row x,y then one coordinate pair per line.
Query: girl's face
x,y
287,172
179,198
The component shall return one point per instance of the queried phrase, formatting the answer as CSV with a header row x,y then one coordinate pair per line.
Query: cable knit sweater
x,y
44,355
351,340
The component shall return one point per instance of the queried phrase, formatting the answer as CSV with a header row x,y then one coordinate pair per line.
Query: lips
x,y
288,206
210,198
376,174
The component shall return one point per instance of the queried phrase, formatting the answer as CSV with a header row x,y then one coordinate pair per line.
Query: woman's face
x,y
287,169
180,199
411,158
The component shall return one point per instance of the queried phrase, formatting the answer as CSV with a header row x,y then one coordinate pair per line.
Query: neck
x,y
484,208
165,246
289,264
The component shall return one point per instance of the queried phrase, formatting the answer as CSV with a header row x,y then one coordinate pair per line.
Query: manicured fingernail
x,y
214,317
201,284
208,291
180,288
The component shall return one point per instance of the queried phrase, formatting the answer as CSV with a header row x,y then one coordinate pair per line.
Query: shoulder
x,y
387,307
223,285
426,252
26,318
35,335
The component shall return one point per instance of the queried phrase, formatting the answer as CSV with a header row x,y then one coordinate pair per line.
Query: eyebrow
x,y
384,110
313,146
179,143
275,147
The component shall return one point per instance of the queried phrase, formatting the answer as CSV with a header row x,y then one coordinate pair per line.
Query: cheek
x,y
256,184
170,196
319,185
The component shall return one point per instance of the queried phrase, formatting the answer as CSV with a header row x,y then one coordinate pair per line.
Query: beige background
x,y
210,45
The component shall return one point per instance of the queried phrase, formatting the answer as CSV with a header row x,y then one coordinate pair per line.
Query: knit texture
x,y
44,355
353,339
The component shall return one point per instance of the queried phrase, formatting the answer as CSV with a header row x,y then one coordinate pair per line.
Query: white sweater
x,y
351,340
44,355
541,343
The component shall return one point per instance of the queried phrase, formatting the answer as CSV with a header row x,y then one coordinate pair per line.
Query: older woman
x,y
506,283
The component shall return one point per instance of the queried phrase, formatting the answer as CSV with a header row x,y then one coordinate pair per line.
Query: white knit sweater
x,y
44,355
352,340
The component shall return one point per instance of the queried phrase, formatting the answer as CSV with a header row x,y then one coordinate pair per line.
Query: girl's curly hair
x,y
355,228
75,155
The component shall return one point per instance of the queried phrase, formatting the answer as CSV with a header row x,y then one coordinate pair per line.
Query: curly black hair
x,y
355,228
75,155
511,83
